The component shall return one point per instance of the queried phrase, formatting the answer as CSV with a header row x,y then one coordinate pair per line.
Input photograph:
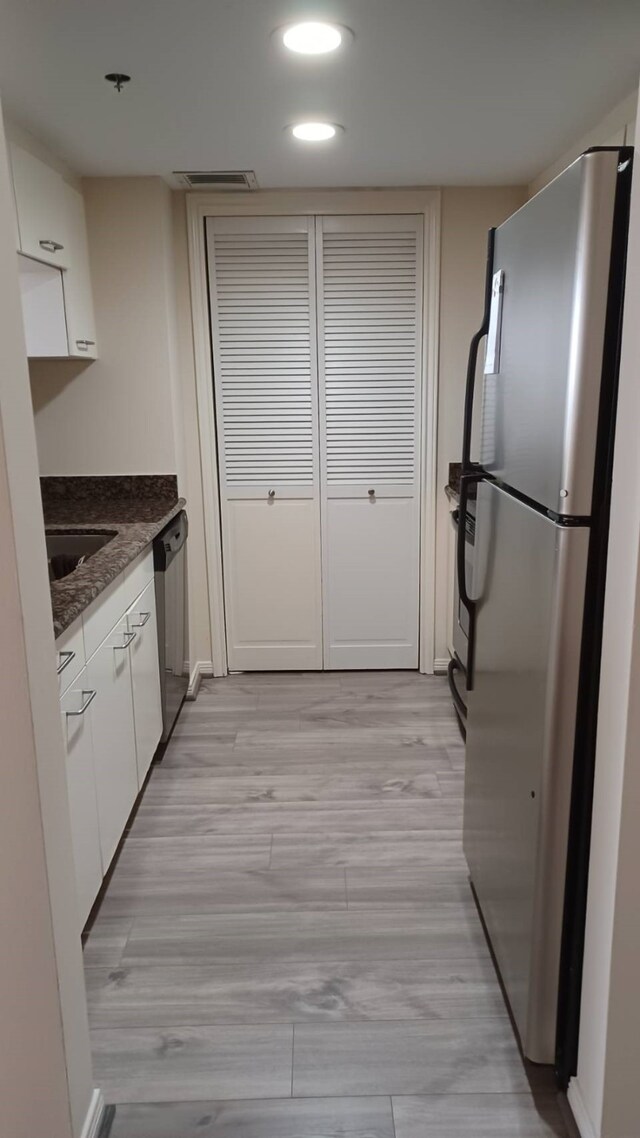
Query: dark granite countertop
x,y
135,508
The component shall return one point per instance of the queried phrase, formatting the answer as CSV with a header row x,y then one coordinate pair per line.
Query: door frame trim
x,y
289,202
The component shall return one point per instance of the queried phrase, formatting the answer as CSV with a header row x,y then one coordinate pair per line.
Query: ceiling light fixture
x,y
312,38
118,78
314,131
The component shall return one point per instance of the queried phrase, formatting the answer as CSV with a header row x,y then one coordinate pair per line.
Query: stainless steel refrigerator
x,y
552,323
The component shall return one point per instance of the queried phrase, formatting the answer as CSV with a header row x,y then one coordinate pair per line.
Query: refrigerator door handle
x,y
459,704
467,422
470,474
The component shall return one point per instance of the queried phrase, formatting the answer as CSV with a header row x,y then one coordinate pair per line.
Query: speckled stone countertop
x,y
135,509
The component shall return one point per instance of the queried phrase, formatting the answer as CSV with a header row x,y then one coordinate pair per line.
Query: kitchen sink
x,y
67,550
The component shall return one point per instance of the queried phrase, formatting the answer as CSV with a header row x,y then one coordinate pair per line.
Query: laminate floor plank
x,y
245,790
145,890
270,1118
193,1063
455,1056
395,888
193,854
374,847
289,818
447,930
288,937
133,995
478,1116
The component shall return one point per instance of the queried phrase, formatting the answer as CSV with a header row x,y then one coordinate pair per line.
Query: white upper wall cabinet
x,y
41,204
78,297
51,228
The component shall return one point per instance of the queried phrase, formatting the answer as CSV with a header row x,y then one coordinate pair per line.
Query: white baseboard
x,y
94,1115
440,666
200,668
579,1110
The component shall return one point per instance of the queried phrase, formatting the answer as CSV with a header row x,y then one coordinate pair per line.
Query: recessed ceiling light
x,y
314,131
312,38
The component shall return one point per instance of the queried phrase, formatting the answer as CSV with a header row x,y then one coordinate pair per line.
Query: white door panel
x,y
371,586
262,287
317,341
272,584
369,365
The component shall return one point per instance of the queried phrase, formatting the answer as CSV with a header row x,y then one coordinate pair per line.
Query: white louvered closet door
x,y
369,273
262,293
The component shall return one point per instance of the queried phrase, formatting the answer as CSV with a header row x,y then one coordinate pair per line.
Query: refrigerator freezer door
x,y
540,410
529,577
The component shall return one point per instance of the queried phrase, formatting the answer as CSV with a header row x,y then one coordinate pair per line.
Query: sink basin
x,y
67,550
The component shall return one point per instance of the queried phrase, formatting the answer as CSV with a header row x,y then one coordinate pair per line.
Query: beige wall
x,y
45,1064
615,129
467,215
115,416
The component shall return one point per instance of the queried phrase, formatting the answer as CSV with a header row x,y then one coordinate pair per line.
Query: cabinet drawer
x,y
137,576
101,616
70,656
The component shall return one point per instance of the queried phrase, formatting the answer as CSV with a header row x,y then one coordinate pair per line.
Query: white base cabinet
x,y
111,708
81,787
145,677
114,745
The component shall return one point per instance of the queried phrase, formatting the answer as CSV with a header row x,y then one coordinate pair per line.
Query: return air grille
x,y
218,180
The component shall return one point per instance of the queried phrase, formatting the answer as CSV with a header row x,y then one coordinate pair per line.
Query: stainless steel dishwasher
x,y
170,567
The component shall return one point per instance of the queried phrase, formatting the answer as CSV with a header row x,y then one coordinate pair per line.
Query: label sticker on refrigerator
x,y
492,355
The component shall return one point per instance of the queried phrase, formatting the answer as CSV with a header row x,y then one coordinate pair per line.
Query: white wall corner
x,y
93,1120
579,1110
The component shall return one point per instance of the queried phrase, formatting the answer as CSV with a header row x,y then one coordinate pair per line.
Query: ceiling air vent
x,y
218,179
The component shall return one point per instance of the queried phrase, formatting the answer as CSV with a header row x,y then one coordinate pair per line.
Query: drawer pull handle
x,y
129,637
90,696
51,246
141,623
64,659
371,493
83,345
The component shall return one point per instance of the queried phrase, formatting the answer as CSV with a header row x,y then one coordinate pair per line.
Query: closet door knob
x,y
372,493
272,494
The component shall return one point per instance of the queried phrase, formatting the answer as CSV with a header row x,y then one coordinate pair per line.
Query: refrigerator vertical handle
x,y
465,481
467,421
470,475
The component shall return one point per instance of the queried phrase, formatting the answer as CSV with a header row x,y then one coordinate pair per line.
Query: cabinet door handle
x,y
141,623
131,636
90,696
82,345
51,246
64,659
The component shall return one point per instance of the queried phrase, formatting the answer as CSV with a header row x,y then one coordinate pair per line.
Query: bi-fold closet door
x,y
316,332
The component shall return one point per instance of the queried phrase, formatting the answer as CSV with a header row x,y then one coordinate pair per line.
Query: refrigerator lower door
x,y
529,578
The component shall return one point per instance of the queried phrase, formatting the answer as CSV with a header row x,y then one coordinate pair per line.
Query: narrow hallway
x,y
288,946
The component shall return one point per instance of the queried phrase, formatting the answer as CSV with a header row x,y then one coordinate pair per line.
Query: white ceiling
x,y
430,91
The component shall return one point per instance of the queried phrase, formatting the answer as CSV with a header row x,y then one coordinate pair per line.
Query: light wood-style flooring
x,y
288,947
